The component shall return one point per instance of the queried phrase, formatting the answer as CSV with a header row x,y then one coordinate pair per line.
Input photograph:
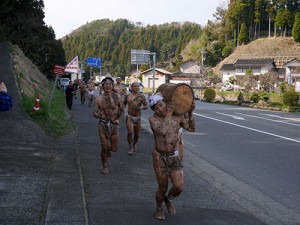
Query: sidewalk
x,y
59,181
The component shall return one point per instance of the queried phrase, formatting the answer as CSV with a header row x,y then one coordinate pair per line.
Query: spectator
x,y
6,101
69,94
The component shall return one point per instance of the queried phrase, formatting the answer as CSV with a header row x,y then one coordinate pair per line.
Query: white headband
x,y
154,99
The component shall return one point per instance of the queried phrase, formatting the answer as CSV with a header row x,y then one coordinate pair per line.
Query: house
x,y
190,66
292,75
161,76
257,66
242,66
228,70
180,77
190,73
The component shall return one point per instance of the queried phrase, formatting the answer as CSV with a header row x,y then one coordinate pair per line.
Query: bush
x,y
254,97
263,96
290,98
209,95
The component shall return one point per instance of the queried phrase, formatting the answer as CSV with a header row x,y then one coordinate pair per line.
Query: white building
x,y
161,77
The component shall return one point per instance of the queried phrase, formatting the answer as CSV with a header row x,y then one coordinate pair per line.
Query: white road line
x,y
234,117
249,128
298,125
281,117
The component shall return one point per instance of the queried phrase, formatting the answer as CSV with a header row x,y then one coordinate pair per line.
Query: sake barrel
x,y
181,94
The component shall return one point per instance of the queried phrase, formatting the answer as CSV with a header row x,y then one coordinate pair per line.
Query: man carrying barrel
x,y
167,161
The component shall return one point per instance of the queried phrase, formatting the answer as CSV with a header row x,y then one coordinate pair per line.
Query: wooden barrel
x,y
181,94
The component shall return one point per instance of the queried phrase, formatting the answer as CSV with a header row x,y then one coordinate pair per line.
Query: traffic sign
x,y
94,61
140,56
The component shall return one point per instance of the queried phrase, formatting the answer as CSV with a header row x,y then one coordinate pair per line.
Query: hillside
x,y
280,49
30,80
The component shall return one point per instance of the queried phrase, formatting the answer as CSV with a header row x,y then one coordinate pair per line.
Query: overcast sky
x,y
67,15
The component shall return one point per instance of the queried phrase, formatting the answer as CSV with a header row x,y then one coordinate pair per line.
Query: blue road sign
x,y
94,61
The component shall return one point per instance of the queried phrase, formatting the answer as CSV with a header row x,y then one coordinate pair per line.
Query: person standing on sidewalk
x,y
167,161
6,101
108,108
69,95
136,102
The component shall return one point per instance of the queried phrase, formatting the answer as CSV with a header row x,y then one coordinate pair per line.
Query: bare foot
x,y
170,206
130,151
159,214
105,171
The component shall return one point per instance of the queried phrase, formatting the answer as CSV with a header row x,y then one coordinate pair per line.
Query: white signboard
x,y
140,56
72,66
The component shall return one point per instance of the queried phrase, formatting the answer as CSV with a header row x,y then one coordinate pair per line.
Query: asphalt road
x,y
127,195
252,155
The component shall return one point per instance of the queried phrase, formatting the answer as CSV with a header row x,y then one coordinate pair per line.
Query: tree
x,y
296,28
21,23
243,37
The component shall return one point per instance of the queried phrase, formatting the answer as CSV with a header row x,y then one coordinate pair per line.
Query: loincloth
x,y
135,120
107,127
168,162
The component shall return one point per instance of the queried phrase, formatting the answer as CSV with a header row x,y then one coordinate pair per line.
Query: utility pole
x,y
202,56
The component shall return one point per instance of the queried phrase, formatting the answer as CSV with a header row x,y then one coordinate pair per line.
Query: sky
x,y
68,15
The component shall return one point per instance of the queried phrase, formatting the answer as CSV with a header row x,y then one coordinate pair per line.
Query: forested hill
x,y
112,41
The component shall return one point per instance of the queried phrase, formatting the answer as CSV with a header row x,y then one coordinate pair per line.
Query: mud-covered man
x,y
167,162
136,102
108,108
119,88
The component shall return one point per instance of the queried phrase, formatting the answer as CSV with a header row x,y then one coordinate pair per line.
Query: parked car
x,y
62,83
226,86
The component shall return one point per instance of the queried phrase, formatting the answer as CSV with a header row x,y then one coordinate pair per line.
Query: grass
x,y
274,101
53,119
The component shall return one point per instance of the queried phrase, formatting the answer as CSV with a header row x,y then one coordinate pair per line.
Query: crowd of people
x,y
167,154
110,105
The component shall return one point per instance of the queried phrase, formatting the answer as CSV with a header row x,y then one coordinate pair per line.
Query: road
x,y
251,155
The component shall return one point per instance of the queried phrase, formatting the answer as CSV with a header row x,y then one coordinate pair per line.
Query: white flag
x,y
73,66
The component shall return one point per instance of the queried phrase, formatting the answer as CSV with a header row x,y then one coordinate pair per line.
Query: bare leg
x,y
177,181
104,151
162,181
129,135
136,135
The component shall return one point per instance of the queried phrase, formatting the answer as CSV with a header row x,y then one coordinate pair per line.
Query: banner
x,y
59,69
73,66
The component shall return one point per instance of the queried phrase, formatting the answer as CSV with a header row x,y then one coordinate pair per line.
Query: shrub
x,y
282,87
290,98
254,97
209,95
263,96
